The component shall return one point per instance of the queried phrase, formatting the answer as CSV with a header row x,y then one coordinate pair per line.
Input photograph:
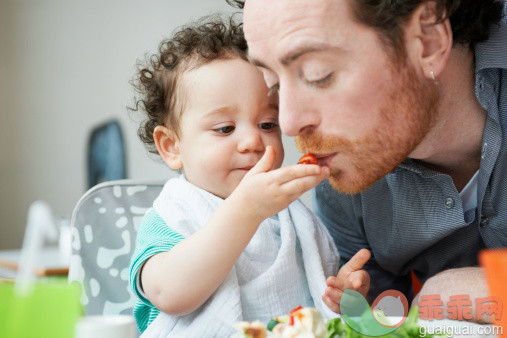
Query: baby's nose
x,y
252,141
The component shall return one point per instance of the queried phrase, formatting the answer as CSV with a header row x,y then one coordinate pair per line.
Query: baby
x,y
227,240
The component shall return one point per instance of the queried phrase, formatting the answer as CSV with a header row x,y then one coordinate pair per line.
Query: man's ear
x,y
168,147
429,40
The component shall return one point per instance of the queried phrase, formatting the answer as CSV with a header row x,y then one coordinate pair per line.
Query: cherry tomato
x,y
308,159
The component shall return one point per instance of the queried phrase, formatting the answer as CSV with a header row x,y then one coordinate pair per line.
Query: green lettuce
x,y
337,328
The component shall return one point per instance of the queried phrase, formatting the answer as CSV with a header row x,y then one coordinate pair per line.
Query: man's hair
x,y
158,77
471,20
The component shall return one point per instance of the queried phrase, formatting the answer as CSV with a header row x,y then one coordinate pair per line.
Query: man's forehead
x,y
267,23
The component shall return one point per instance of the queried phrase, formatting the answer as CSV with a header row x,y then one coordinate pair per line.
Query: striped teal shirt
x,y
153,236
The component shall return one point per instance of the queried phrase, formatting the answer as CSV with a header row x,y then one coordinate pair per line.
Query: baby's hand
x,y
350,276
263,193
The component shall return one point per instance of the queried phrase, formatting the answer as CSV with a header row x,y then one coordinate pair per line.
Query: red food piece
x,y
297,308
308,159
291,313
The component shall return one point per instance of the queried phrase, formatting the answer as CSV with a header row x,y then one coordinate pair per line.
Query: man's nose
x,y
296,111
251,140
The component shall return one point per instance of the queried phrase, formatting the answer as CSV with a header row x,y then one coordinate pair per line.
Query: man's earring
x,y
433,77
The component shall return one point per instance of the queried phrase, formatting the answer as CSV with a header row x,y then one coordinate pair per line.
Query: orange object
x,y
308,159
416,284
291,314
297,308
494,261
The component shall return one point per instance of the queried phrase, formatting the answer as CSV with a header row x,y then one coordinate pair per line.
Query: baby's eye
x,y
268,125
225,130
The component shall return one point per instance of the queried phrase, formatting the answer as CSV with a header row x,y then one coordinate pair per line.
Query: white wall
x,y
64,68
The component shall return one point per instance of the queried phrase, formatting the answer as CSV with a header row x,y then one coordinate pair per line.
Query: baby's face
x,y
227,122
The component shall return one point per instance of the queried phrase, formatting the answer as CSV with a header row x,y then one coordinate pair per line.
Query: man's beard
x,y
405,119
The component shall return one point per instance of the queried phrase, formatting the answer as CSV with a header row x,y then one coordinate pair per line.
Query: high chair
x,y
104,225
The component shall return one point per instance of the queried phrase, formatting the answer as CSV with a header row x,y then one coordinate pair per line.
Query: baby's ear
x,y
167,146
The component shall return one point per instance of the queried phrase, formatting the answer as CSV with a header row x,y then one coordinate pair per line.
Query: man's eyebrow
x,y
294,54
303,49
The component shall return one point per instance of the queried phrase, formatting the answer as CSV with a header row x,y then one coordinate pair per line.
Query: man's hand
x,y
350,276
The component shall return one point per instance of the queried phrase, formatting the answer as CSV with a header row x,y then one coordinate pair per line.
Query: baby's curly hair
x,y
157,78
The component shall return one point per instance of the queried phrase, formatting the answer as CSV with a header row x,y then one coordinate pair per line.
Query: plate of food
x,y
306,322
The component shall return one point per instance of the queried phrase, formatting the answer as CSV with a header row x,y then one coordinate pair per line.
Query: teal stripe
x,y
153,237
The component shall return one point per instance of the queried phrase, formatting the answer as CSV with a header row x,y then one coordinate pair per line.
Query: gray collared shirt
x,y
412,219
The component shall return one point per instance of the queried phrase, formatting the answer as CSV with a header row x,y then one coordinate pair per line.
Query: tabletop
x,y
50,262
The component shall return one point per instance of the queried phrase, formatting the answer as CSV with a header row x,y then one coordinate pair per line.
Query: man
x,y
406,102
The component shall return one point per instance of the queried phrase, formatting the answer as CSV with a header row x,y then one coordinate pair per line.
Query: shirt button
x,y
484,222
449,203
484,149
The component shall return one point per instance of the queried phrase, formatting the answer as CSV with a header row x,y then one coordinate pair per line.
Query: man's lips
x,y
325,159
246,168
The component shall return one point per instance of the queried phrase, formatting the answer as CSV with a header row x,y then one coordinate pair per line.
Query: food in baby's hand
x,y
308,159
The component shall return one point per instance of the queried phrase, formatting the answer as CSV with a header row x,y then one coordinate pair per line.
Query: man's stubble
x,y
407,116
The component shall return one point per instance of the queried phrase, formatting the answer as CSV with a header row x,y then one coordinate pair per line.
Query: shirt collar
x,y
414,166
492,53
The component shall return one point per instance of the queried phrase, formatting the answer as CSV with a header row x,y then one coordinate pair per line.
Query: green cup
x,y
49,310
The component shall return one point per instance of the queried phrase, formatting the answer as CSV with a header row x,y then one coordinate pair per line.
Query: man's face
x,y
341,94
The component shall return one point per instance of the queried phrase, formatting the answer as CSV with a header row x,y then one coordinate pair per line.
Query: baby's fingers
x,y
359,279
334,306
265,163
297,171
334,282
302,185
300,181
334,294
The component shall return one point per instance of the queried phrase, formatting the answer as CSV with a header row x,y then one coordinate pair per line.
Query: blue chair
x,y
106,154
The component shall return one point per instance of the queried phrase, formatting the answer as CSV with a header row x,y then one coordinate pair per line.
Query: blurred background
x,y
65,68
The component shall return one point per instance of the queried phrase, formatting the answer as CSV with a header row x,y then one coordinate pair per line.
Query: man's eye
x,y
225,130
268,125
274,89
322,82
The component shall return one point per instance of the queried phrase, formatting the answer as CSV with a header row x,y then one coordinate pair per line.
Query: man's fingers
x,y
357,261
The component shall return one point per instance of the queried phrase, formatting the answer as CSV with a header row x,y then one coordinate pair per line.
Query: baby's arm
x,y
179,281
